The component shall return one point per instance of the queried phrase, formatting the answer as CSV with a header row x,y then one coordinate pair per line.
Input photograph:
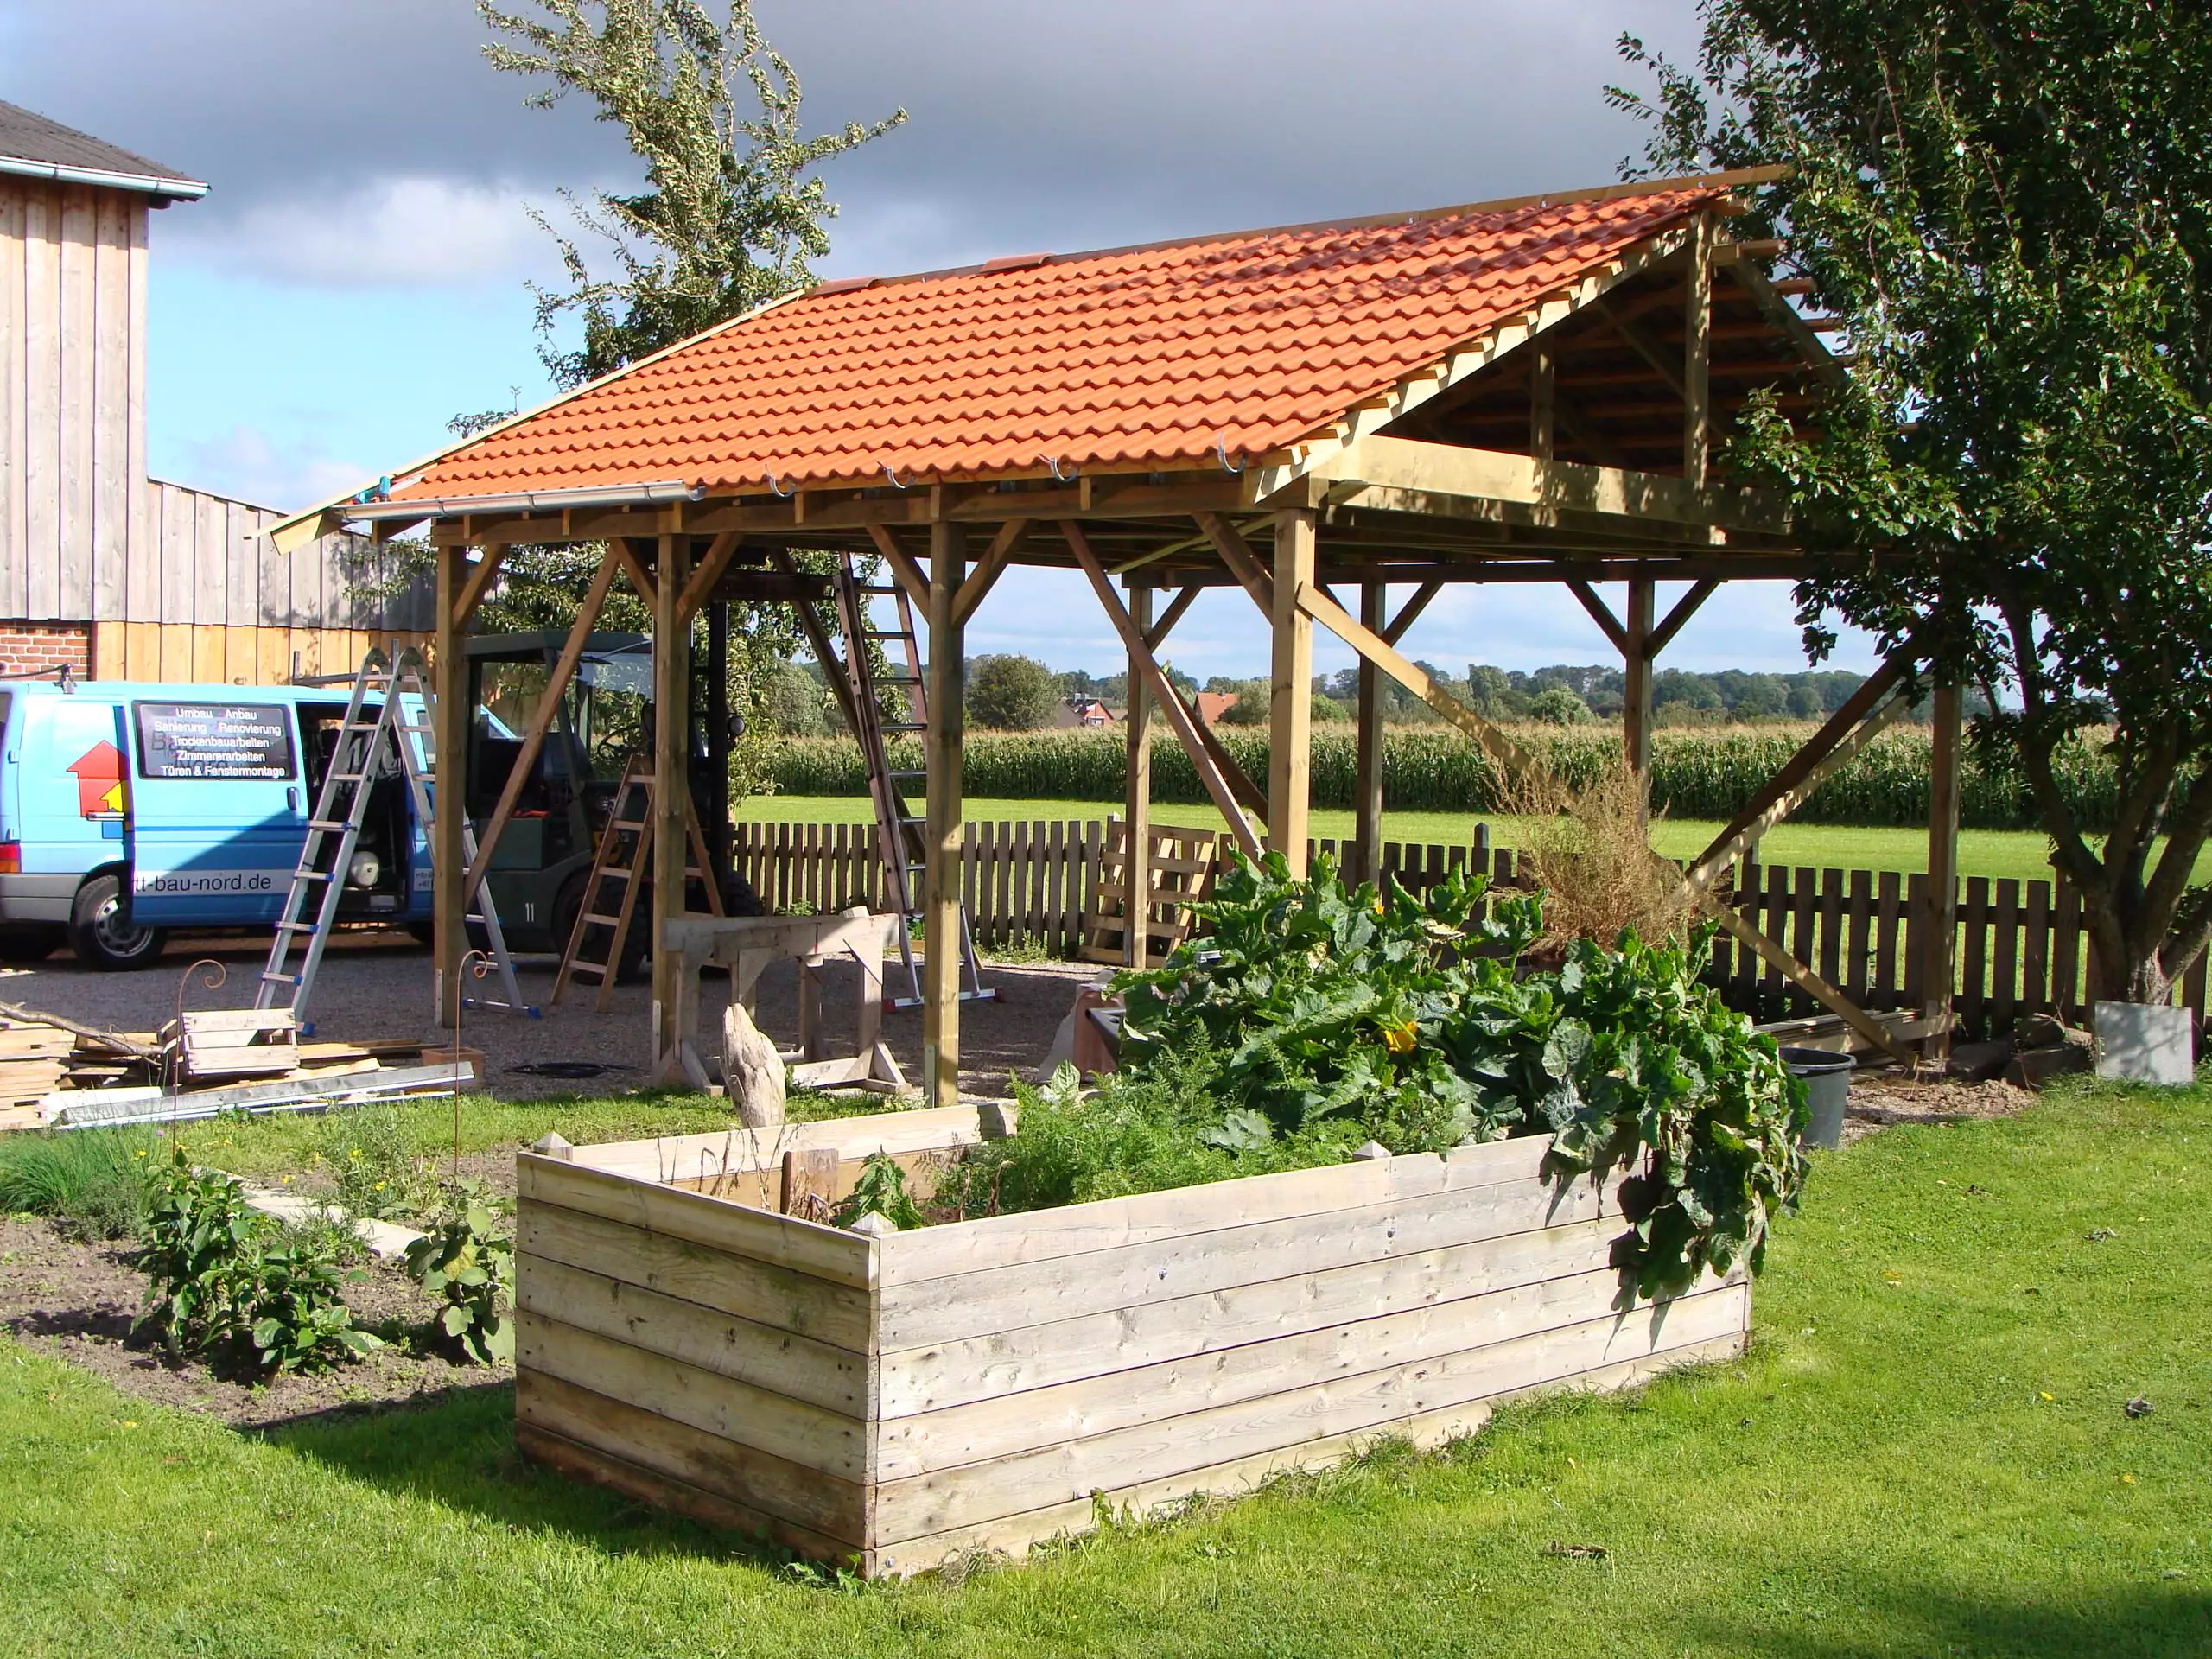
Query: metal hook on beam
x,y
1221,454
780,495
1060,474
892,472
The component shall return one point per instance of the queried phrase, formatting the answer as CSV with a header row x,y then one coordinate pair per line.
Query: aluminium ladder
x,y
624,848
899,830
318,883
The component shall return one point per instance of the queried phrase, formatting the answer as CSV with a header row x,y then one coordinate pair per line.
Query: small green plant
x,y
93,1182
226,1280
371,1157
466,1258
880,1190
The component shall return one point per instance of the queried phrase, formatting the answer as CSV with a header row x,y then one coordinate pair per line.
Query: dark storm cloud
x,y
1031,125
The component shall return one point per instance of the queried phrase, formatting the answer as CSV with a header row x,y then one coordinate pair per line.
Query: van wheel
x,y
35,942
101,930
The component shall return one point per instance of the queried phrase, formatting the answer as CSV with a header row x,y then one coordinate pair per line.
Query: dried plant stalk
x,y
1589,849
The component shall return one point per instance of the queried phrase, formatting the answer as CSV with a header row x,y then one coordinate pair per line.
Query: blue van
x,y
130,809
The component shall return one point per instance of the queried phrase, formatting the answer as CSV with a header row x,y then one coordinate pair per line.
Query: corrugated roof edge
x,y
299,530
1739,176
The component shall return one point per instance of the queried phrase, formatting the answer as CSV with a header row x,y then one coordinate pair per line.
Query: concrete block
x,y
2140,1042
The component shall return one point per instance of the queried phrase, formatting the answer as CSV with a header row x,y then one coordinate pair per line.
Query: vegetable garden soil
x,y
76,1301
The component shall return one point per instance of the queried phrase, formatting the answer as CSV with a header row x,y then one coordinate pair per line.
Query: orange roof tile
x,y
1143,359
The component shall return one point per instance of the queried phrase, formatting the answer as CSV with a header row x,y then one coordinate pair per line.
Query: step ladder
x,y
334,828
899,830
625,850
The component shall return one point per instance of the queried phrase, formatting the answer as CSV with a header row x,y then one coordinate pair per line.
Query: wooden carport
x,y
1529,391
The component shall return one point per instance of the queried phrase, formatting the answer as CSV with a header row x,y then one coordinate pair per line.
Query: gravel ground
x,y
377,986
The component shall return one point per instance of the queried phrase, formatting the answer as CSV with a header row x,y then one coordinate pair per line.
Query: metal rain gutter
x,y
624,495
182,189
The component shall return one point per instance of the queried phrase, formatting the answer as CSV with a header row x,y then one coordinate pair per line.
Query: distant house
x,y
102,569
1212,705
1086,713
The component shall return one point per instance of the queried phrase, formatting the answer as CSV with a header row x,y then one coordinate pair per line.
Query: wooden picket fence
x,y
2022,947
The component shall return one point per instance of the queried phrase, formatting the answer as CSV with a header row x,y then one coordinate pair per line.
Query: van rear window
x,y
247,741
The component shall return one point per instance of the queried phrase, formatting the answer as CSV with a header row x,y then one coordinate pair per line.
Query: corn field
x,y
1698,774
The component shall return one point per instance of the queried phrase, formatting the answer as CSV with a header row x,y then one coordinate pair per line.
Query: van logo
x,y
99,782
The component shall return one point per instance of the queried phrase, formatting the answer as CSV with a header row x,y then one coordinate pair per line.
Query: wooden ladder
x,y
625,850
898,829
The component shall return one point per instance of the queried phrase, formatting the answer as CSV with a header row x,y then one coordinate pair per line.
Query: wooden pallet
x,y
1184,864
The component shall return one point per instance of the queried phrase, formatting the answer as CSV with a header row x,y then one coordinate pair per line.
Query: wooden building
x,y
1515,392
101,568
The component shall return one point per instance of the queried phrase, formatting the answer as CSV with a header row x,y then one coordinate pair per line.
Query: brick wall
x,y
41,647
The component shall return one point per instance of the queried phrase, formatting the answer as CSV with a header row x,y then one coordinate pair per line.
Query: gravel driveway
x,y
377,985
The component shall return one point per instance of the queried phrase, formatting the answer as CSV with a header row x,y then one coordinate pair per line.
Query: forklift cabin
x,y
606,716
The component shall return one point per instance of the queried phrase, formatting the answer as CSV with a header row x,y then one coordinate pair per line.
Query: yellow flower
x,y
1399,1037
1378,906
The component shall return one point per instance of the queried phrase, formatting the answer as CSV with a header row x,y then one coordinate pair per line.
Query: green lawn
x,y
1981,852
1926,1452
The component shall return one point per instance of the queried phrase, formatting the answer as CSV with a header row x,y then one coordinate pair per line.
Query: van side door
x,y
218,811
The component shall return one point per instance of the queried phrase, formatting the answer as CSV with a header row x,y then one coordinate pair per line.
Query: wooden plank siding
x,y
1051,885
169,582
900,1401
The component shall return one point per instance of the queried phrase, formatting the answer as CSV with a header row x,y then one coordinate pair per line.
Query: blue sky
x,y
355,277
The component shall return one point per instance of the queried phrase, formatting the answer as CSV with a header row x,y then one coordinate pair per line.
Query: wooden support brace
x,y
1872,1030
1156,635
1848,730
1245,564
549,708
479,584
1172,706
904,570
719,553
1410,612
1600,613
1003,546
1685,608
1503,750
626,557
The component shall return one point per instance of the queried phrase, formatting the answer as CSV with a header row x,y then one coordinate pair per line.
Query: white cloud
x,y
391,232
248,465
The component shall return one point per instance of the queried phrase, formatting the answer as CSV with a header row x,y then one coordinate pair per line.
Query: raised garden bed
x,y
901,1400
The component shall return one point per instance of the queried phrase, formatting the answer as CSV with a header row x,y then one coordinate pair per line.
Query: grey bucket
x,y
1827,1088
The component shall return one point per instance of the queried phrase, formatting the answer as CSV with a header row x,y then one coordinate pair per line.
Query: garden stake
x,y
173,1064
483,966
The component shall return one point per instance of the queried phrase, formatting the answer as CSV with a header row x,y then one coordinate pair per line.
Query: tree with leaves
x,y
2010,209
731,213
1011,694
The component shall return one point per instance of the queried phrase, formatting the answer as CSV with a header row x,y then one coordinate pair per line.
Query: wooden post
x,y
449,803
671,782
941,875
1367,789
1635,714
1290,723
1136,870
1543,401
715,815
1939,941
1697,353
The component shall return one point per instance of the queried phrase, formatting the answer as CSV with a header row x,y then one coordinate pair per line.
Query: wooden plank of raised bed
x,y
805,1436
1014,1534
581,1432
1031,1292
1108,1223
1068,1412
823,1252
1004,1362
732,1283
1166,1446
677,1156
767,1357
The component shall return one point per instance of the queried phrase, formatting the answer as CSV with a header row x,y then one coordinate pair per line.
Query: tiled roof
x,y
1138,359
28,136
